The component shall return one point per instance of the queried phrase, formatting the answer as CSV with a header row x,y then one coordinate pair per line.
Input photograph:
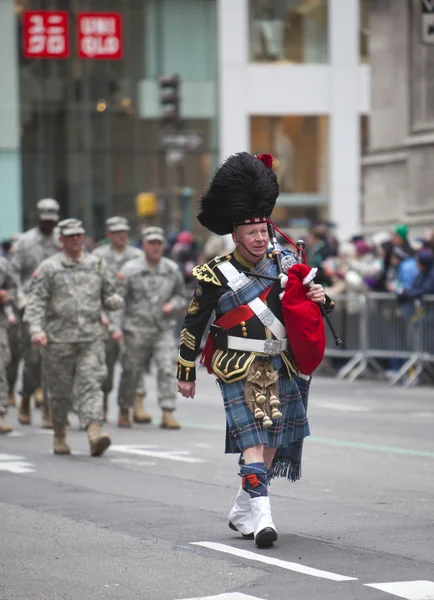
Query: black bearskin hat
x,y
244,187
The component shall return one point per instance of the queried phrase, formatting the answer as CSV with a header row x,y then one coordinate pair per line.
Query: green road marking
x,y
332,442
363,446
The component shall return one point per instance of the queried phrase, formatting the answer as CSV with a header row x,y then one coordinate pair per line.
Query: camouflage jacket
x,y
66,298
31,249
145,289
7,282
116,260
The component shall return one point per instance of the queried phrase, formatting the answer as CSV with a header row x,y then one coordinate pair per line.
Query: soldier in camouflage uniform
x,y
14,338
31,249
115,255
7,318
153,289
68,294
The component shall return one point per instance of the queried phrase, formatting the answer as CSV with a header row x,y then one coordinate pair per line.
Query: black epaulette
x,y
208,272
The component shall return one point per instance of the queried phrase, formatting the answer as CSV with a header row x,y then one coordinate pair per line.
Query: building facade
x,y
282,76
398,175
294,81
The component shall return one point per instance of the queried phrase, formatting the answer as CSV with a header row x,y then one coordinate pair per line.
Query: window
x,y
293,31
299,145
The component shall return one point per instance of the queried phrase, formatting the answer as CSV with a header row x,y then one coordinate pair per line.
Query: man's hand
x,y
316,293
4,297
167,309
187,388
117,336
12,320
39,339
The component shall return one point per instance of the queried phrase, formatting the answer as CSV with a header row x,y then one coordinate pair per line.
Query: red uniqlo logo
x,y
46,34
99,35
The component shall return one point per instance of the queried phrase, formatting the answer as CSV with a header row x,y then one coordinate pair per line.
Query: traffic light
x,y
169,99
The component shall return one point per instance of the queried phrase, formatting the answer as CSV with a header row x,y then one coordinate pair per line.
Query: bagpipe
x,y
303,318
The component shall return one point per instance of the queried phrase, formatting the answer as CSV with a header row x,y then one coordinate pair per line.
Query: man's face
x,y
252,240
46,227
72,244
153,250
118,239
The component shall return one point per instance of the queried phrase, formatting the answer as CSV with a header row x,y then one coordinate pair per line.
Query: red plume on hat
x,y
267,160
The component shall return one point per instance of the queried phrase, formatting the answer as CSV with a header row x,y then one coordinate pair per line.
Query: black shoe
x,y
248,536
266,537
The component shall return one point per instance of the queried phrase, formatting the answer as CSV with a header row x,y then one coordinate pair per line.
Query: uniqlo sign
x,y
46,34
99,35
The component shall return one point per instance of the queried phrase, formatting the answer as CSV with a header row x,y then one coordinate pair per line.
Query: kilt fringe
x,y
285,468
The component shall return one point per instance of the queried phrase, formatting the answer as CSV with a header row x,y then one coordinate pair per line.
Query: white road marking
x,y
283,564
175,455
15,464
229,596
15,434
134,462
342,407
410,590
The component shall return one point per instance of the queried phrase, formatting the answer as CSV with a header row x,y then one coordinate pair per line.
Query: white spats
x,y
240,515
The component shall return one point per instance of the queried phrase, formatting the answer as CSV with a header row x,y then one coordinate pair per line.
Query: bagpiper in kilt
x,y
247,347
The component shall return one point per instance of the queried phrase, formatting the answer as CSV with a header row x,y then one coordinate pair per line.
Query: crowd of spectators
x,y
384,262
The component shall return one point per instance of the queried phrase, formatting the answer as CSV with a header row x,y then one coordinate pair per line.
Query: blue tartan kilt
x,y
244,431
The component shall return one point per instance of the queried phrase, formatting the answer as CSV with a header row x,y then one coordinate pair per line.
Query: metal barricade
x,y
382,334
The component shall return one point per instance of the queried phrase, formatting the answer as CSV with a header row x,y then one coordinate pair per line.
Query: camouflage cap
x,y
48,209
117,224
153,233
71,227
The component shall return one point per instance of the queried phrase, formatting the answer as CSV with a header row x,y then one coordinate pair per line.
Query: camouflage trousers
x,y
14,337
112,350
32,364
137,350
5,357
74,373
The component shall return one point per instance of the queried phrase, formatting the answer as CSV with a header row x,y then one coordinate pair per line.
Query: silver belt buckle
x,y
272,347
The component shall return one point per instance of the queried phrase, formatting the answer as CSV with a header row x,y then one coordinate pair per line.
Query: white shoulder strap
x,y
236,281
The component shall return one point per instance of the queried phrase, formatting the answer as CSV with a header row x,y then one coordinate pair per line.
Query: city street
x,y
148,520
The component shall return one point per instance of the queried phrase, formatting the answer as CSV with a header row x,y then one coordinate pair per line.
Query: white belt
x,y
236,281
268,347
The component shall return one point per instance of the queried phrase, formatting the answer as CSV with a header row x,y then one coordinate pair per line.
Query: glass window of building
x,y
293,31
299,145
364,31
91,129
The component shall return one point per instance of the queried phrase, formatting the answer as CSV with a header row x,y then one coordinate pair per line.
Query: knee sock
x,y
255,479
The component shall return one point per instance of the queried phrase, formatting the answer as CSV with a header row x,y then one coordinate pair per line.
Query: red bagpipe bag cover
x,y
303,321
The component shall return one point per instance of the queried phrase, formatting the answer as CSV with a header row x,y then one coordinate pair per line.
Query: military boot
x,y
39,397
4,426
46,417
99,442
25,414
11,399
124,418
59,443
140,415
168,421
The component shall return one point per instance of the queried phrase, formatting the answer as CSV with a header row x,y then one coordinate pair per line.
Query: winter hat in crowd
x,y
362,247
402,231
425,258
